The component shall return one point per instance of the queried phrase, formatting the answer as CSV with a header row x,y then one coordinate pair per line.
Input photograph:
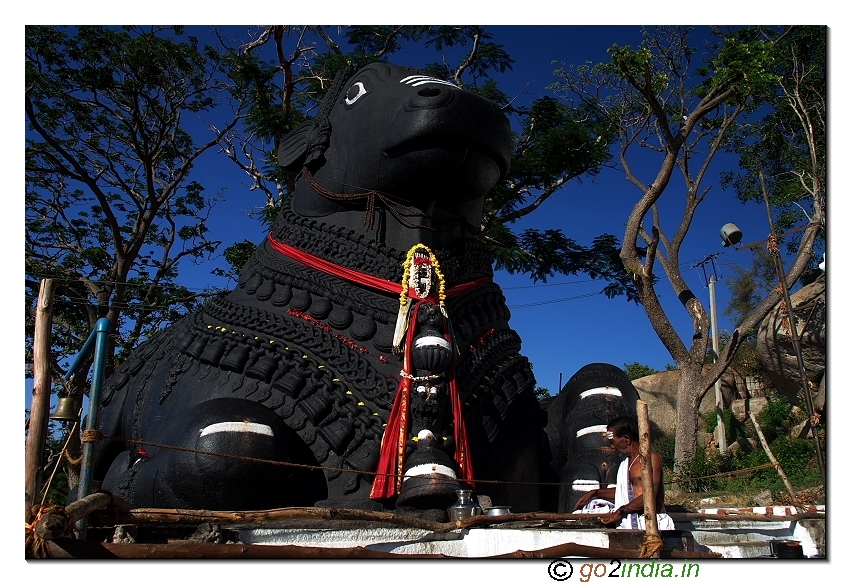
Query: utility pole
x,y
715,346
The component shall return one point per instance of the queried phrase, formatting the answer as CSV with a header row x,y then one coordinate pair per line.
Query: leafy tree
x,y
636,370
557,144
788,143
745,359
749,286
113,132
662,105
542,393
111,206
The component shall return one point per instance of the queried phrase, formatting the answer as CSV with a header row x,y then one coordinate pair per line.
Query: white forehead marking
x,y
237,427
417,80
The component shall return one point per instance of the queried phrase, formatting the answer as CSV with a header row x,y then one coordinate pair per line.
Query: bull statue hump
x,y
364,359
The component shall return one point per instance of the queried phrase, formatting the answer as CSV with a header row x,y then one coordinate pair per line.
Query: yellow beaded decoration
x,y
437,271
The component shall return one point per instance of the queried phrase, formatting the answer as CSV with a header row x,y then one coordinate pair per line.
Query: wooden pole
x,y
646,476
773,459
40,408
795,338
51,526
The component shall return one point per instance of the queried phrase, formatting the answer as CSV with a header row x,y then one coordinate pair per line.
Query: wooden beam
x,y
152,516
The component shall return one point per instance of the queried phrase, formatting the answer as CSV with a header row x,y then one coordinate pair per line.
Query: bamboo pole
x,y
795,337
649,511
40,408
773,459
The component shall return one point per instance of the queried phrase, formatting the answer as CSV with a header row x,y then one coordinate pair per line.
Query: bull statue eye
x,y
355,92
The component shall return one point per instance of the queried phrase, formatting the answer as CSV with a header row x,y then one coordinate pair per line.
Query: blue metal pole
x,y
84,353
101,335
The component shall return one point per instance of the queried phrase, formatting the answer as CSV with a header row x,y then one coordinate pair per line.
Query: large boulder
x,y
776,350
659,392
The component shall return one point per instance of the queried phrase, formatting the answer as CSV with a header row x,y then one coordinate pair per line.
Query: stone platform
x,y
742,538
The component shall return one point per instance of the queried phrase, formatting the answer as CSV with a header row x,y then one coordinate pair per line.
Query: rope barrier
x,y
306,466
722,474
93,436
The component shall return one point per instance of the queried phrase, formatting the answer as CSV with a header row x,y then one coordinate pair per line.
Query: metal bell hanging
x,y
66,410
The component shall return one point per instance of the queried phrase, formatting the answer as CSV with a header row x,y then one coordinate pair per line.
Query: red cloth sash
x,y
359,277
393,444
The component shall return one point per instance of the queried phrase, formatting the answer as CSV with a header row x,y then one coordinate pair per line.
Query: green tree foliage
x,y
668,100
789,142
745,360
542,393
795,455
113,132
636,370
749,286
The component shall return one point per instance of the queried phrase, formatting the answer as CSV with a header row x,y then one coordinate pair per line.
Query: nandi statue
x,y
364,360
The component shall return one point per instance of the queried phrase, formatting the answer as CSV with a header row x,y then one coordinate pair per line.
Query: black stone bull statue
x,y
364,359
582,456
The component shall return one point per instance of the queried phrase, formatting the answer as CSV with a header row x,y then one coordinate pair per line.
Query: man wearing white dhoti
x,y
628,493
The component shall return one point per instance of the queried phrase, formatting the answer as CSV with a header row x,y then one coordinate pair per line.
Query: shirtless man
x,y
628,494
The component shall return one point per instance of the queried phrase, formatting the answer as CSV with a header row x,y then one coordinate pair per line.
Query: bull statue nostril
x,y
429,92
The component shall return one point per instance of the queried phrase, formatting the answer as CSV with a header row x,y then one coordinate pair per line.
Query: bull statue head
x,y
415,150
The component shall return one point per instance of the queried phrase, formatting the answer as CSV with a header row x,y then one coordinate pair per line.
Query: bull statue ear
x,y
293,147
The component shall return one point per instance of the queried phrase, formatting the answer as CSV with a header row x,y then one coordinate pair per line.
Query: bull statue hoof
x,y
366,317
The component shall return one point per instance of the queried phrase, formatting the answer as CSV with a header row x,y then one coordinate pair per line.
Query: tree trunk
x,y
687,415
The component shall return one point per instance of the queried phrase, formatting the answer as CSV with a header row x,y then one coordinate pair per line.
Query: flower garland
x,y
408,262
